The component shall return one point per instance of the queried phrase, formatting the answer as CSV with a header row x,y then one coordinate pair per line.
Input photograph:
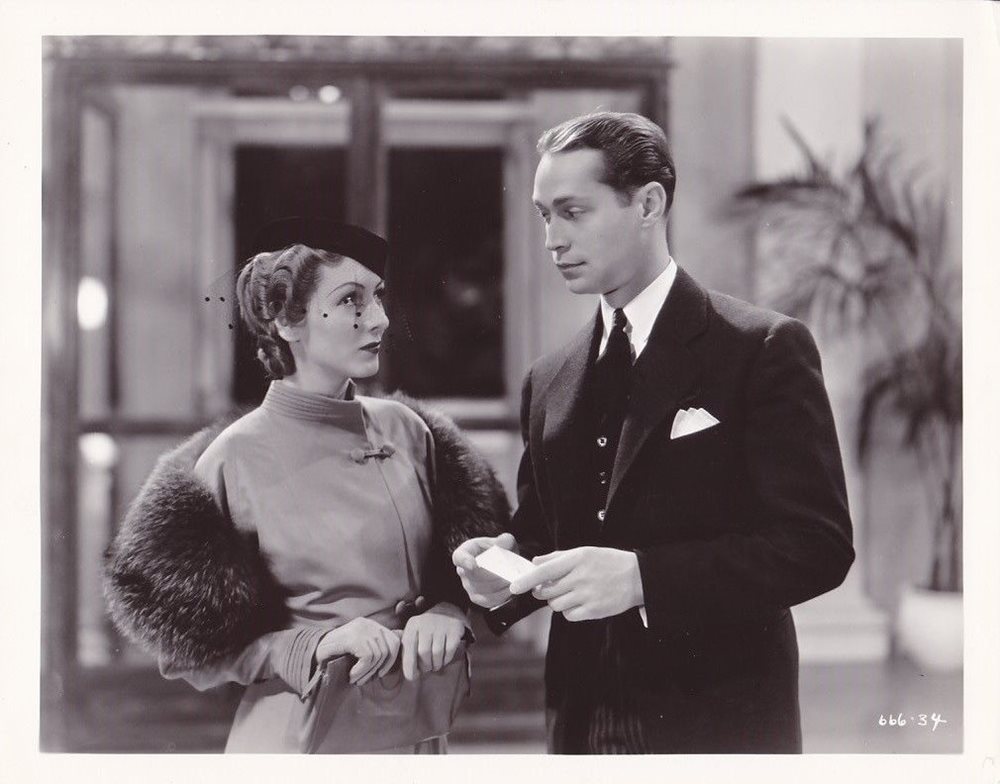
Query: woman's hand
x,y
431,640
374,646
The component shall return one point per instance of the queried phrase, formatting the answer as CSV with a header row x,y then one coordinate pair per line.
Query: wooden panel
x,y
415,123
60,272
156,290
275,50
367,163
97,379
213,269
522,341
273,121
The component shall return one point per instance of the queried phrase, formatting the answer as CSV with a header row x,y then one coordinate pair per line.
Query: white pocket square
x,y
691,420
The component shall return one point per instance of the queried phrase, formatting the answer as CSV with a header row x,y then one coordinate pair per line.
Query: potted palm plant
x,y
866,250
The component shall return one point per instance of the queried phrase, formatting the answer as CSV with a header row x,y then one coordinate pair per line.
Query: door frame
x,y
369,70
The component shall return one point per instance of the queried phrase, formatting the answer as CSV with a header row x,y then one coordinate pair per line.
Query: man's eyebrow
x,y
558,201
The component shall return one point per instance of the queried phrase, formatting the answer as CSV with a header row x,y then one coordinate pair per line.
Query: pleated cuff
x,y
296,667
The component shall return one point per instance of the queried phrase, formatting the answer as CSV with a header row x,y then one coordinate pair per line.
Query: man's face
x,y
592,235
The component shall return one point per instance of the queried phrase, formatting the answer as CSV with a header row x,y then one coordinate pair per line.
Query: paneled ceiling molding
x,y
361,49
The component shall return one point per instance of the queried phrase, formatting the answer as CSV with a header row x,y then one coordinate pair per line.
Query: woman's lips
x,y
372,347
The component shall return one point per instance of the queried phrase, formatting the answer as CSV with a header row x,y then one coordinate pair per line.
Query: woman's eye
x,y
380,294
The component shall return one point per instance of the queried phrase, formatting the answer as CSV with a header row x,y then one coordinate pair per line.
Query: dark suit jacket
x,y
732,526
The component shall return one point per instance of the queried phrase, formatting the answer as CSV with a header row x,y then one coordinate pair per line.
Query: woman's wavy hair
x,y
274,287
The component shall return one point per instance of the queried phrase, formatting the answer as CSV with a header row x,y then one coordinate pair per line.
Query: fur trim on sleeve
x,y
467,496
180,580
185,585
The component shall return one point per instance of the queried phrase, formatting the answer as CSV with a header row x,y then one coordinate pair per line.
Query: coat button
x,y
602,441
600,515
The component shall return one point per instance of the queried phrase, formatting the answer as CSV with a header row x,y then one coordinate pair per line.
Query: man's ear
x,y
652,199
290,333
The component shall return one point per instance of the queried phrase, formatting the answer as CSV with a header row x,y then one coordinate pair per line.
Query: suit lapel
x,y
561,436
666,373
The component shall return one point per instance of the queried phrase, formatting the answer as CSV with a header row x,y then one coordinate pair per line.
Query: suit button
x,y
600,515
404,608
602,441
603,476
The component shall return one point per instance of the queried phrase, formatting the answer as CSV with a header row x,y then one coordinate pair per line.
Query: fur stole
x,y
184,584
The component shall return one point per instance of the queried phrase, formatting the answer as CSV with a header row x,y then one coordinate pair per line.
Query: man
x,y
681,485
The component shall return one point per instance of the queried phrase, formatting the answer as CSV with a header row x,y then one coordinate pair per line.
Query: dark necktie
x,y
615,365
613,726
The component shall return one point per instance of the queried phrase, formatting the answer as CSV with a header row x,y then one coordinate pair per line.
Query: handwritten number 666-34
x,y
920,720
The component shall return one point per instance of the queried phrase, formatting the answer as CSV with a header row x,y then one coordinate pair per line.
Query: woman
x,y
304,550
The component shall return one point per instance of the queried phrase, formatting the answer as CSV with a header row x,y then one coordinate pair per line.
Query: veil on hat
x,y
367,248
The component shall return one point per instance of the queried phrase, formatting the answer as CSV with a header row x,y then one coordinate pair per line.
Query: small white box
x,y
503,563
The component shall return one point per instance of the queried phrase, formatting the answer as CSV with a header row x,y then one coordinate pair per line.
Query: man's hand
x,y
484,588
585,583
374,646
430,640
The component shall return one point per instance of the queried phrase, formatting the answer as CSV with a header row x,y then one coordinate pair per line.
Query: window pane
x,y
446,279
273,182
97,396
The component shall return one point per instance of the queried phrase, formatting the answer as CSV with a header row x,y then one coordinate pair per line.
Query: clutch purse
x,y
383,713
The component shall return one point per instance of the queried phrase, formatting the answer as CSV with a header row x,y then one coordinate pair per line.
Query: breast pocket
x,y
706,450
690,482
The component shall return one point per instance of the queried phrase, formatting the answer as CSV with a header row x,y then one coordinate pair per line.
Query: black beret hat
x,y
363,246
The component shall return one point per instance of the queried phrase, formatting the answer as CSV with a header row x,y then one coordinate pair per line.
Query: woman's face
x,y
341,334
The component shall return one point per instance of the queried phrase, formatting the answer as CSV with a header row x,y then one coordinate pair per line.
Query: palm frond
x,y
868,250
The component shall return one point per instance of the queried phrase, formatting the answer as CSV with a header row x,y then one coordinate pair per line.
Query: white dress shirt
x,y
641,312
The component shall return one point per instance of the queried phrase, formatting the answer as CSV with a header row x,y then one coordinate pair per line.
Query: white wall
x,y
828,88
711,133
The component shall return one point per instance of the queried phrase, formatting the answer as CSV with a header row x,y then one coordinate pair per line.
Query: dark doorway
x,y
446,280
273,182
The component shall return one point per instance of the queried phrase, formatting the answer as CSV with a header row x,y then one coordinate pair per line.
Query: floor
x,y
842,706
841,710
845,709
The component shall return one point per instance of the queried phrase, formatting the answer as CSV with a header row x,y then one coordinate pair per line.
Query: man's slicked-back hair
x,y
635,149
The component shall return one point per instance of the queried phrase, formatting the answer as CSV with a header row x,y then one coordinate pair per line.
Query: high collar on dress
x,y
282,398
